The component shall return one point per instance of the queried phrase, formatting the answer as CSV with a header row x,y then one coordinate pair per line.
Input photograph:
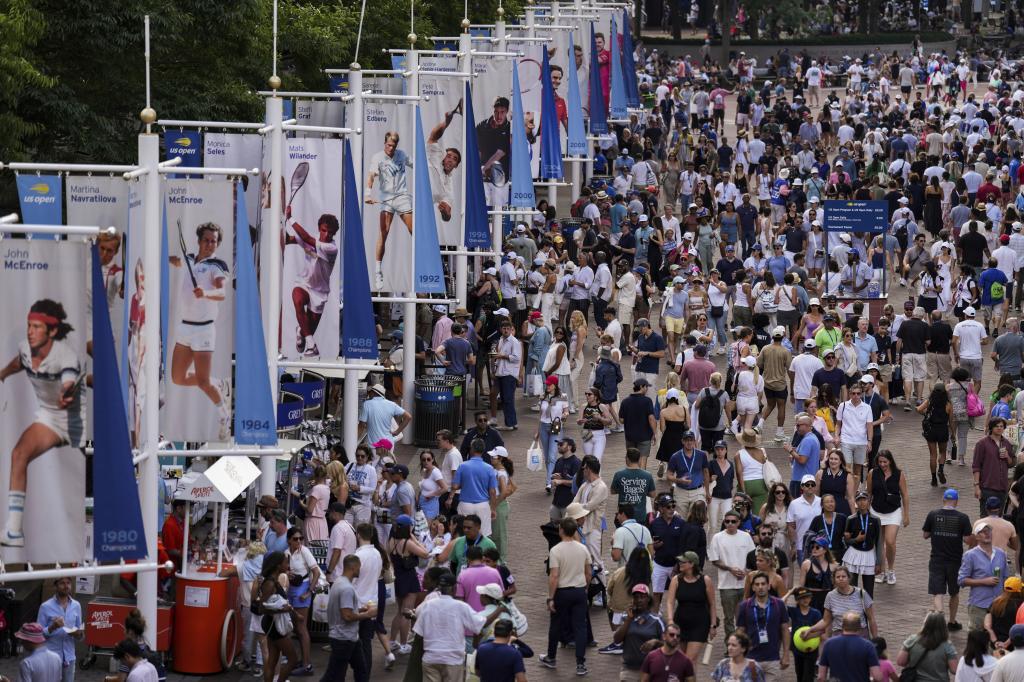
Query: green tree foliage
x,y
21,28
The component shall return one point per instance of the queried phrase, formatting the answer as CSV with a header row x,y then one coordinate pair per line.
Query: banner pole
x,y
496,230
149,469
461,260
270,259
409,309
350,391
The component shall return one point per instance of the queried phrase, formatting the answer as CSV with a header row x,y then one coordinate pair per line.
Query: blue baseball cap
x,y
404,520
951,494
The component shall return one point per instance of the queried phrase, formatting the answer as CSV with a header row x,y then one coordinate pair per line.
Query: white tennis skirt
x,y
894,518
859,561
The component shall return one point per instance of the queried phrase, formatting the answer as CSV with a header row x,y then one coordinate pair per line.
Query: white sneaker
x,y
300,340
720,351
405,649
389,661
223,423
903,282
378,280
8,539
890,578
312,352
224,386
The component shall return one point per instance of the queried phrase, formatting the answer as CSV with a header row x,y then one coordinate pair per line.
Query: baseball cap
x,y
806,478
757,247
510,255
490,271
749,361
730,248
951,494
689,435
643,322
779,331
446,579
809,344
908,305
492,590
861,495
672,393
551,380
867,379
720,444
503,312
400,469
535,315
640,588
640,269
993,502
383,443
644,218
821,541
969,311
1004,239
498,451
1017,635
678,280
639,383
404,520
443,309
873,365
1013,584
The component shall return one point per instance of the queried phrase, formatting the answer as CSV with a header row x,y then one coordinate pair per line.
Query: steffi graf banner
x,y
310,275
388,148
443,125
42,400
200,330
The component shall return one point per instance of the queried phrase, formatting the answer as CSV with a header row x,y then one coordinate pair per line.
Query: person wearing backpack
x,y
993,284
710,407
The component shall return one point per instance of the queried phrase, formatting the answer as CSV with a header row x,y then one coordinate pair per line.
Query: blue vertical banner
x,y
117,516
41,198
254,402
477,233
358,327
550,144
428,274
338,83
187,144
629,64
576,141
522,177
598,107
617,93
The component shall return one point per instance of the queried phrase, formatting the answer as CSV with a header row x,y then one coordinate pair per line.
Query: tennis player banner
x,y
491,93
117,517
443,125
522,176
427,268
359,328
310,274
388,148
42,400
254,402
133,339
576,142
41,199
200,329
618,104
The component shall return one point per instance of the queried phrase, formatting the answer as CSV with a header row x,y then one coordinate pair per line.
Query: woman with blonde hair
x,y
715,394
765,562
578,332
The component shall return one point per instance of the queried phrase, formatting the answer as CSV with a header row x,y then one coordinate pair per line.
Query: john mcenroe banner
x,y
42,400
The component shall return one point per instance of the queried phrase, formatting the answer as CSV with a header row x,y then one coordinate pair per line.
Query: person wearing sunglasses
x,y
483,430
728,552
668,662
303,575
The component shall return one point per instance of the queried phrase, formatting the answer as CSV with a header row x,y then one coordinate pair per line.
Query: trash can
x,y
438,405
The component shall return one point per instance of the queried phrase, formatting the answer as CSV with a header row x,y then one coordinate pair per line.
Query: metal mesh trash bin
x,y
440,404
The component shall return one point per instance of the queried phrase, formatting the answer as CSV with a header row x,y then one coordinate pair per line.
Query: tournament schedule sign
x,y
856,216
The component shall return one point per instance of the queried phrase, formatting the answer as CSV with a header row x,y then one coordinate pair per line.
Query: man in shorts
x,y
674,316
313,285
773,361
195,338
912,339
854,429
968,338
948,530
387,169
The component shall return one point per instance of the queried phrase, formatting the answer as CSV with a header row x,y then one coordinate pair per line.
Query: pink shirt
x,y
472,576
696,374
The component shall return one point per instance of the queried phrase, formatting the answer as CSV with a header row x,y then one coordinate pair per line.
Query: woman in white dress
x,y
749,390
944,267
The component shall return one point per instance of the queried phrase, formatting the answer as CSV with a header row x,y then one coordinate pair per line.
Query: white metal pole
x,y
461,260
350,392
409,309
270,259
149,470
499,32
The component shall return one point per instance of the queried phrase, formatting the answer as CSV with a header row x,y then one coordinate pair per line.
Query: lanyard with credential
x,y
767,614
829,531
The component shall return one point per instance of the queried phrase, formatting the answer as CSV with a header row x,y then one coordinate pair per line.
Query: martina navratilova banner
x,y
443,127
42,400
311,275
200,334
388,148
103,201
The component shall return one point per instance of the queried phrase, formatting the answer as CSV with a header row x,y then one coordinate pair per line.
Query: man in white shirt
x,y
601,287
802,510
442,623
669,221
1006,260
855,71
370,567
968,338
728,552
450,461
341,543
854,428
802,369
813,84
726,191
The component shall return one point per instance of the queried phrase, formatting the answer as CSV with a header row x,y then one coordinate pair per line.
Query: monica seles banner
x,y
42,400
311,275
443,127
103,201
234,150
388,149
200,334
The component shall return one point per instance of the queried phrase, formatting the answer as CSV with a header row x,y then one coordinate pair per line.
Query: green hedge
x,y
870,39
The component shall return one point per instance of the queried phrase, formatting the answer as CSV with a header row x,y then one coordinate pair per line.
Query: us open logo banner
x,y
186,144
43,400
200,332
41,200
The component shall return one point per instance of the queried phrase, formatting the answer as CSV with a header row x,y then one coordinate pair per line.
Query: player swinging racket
x,y
309,296
137,351
389,165
443,163
55,372
202,290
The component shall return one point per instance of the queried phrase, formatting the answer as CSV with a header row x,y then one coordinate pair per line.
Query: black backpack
x,y
710,411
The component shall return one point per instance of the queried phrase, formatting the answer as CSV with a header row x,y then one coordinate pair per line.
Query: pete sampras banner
x,y
443,126
40,197
42,400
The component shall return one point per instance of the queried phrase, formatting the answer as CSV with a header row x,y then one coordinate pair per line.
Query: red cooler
x,y
207,632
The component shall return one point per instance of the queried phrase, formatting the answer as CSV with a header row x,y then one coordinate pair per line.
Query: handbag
x,y
519,621
770,473
717,311
909,672
556,426
975,408
534,457
320,602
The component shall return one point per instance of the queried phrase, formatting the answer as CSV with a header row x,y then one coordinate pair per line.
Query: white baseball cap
x,y
503,312
969,311
867,379
749,361
809,344
779,331
490,271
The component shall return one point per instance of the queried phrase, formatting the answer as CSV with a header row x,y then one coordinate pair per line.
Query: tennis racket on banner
x,y
497,173
529,76
299,176
184,256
